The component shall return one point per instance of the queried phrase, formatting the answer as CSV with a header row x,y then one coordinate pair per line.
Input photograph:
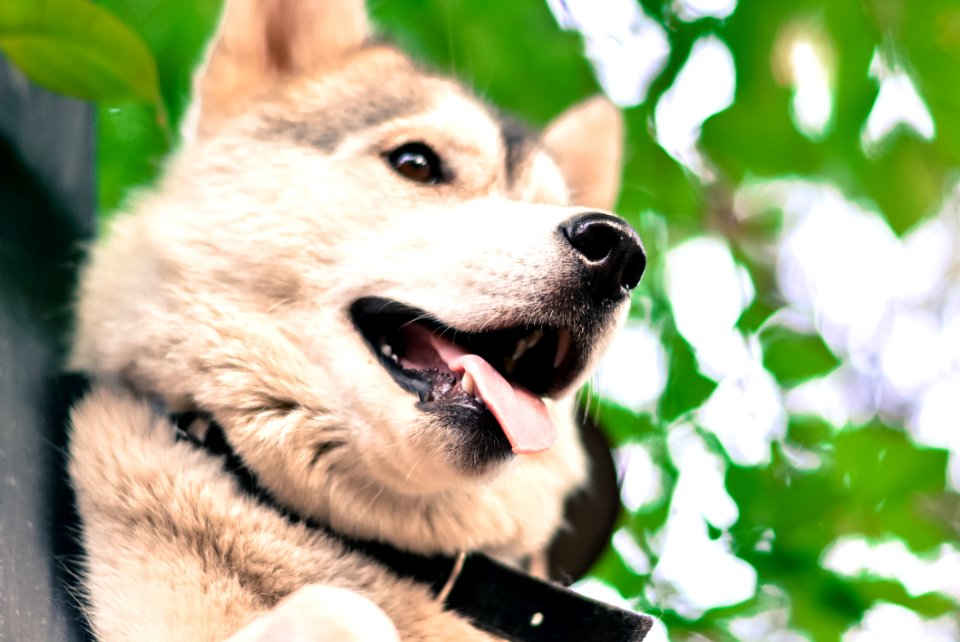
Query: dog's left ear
x,y
586,141
260,43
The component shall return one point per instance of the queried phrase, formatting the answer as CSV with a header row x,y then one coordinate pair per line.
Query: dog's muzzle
x,y
610,252
495,380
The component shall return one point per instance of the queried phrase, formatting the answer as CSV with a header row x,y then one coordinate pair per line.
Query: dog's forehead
x,y
380,85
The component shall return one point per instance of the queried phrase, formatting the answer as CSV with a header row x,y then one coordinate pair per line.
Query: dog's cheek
x,y
390,439
394,441
417,451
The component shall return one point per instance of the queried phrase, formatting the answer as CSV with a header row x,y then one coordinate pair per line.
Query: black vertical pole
x,y
47,201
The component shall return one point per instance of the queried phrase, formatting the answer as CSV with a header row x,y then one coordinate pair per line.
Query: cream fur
x,y
226,289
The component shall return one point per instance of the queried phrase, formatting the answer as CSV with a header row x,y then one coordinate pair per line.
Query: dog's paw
x,y
321,614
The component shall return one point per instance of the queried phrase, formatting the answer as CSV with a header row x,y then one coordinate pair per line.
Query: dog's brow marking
x,y
326,129
518,141
325,448
271,404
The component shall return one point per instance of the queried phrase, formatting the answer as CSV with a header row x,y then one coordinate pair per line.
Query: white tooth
x,y
522,346
395,358
468,384
534,338
563,347
386,350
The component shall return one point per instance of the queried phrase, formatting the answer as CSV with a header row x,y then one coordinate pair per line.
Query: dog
x,y
381,295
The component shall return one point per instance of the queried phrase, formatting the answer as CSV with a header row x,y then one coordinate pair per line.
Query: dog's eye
x,y
417,162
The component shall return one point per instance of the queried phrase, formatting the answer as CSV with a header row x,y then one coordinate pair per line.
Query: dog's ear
x,y
586,141
261,42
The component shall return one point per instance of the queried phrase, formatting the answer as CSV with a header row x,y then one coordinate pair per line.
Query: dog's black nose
x,y
610,251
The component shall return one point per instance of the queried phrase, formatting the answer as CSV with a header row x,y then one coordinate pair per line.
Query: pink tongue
x,y
521,414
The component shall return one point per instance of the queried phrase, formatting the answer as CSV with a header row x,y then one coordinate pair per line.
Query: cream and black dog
x,y
384,295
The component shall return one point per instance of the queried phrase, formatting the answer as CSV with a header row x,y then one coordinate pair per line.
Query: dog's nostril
x,y
633,270
610,252
593,239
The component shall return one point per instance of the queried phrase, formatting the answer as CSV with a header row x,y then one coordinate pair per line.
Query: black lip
x,y
483,443
375,317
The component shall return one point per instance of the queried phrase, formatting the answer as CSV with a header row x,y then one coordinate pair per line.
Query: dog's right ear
x,y
261,42
586,141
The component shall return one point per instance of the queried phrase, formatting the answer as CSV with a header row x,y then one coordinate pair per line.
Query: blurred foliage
x,y
71,47
872,482
793,358
135,58
134,139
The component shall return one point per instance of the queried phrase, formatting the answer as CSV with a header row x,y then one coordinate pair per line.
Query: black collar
x,y
494,597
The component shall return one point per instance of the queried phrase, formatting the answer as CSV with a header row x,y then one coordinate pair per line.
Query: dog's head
x,y
385,291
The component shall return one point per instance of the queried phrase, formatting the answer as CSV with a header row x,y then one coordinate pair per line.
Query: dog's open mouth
x,y
507,370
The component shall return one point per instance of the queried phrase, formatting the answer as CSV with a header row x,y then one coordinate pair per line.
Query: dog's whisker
x,y
412,469
376,496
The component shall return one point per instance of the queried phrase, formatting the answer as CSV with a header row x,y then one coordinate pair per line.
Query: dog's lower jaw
x,y
453,522
512,510
480,449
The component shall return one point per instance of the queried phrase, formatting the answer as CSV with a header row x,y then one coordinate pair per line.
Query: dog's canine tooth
x,y
526,343
468,384
534,338
522,346
563,347
386,350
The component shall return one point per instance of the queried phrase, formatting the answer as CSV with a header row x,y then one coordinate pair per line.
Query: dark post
x,y
47,203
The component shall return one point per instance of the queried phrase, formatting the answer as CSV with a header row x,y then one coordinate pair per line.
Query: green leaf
x,y
79,49
686,387
612,569
133,143
809,431
874,483
132,146
927,34
793,358
755,315
907,180
653,180
854,39
756,135
930,605
621,425
891,485
511,52
176,31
